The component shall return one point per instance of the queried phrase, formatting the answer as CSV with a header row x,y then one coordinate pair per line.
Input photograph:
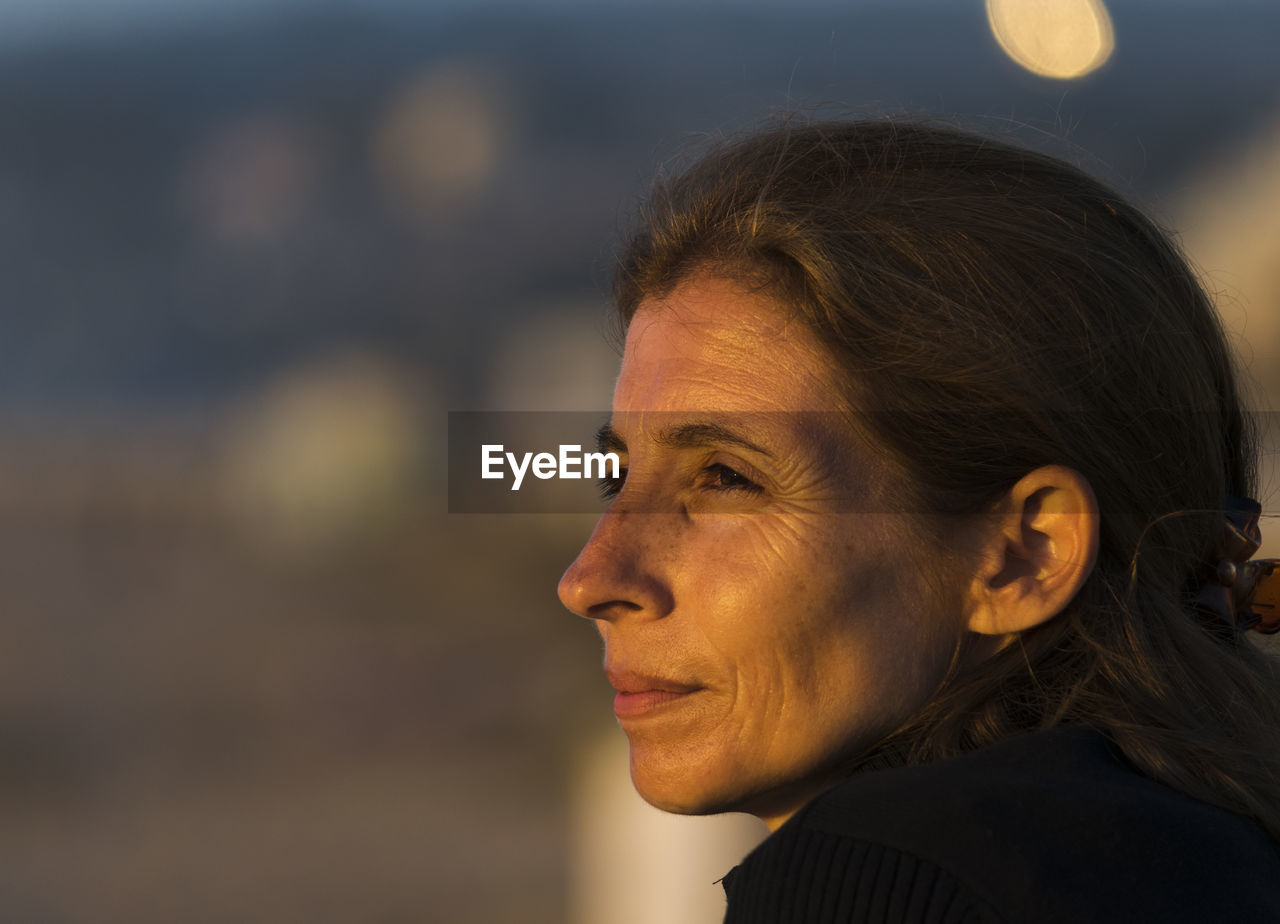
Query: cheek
x,y
819,612
772,594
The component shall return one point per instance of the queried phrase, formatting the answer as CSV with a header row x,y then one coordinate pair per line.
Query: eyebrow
x,y
685,436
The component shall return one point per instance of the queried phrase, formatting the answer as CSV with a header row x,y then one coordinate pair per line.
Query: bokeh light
x,y
324,454
249,181
1062,39
440,137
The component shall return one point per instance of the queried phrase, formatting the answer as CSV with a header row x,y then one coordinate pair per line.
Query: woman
x,y
930,546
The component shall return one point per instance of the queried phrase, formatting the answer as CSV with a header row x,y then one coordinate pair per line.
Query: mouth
x,y
640,694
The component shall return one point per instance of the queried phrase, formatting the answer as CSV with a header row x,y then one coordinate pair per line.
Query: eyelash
x,y
610,487
730,480
733,480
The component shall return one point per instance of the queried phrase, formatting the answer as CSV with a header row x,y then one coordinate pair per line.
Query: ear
x,y
1036,552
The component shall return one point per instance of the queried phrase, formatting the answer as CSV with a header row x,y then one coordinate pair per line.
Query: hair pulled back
x,y
1000,310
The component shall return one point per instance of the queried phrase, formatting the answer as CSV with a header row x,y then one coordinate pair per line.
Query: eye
x,y
721,477
716,477
609,487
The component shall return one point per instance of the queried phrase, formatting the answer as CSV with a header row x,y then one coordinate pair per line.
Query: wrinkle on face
x,y
800,608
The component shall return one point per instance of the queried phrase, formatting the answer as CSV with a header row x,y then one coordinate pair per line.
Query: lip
x,y
639,694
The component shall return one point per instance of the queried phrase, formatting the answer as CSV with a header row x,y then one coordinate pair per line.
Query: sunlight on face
x,y
759,634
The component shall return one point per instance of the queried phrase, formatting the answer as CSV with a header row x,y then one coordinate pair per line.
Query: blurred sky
x,y
195,196
27,20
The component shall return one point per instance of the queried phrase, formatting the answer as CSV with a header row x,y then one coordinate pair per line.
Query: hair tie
x,y
1243,592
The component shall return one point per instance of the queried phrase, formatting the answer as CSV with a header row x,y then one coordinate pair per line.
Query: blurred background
x,y
251,254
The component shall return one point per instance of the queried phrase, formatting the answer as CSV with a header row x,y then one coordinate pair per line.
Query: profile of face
x,y
763,609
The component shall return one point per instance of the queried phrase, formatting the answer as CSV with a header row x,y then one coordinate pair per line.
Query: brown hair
x,y
1019,314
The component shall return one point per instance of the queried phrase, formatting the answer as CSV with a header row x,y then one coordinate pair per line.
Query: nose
x,y
617,573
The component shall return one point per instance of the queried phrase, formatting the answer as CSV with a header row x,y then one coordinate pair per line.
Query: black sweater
x,y
1049,827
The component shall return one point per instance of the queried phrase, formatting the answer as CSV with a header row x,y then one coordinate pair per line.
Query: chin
x,y
681,790
696,790
690,789
680,800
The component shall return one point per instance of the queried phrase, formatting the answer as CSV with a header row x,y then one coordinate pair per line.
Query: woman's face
x,y
764,614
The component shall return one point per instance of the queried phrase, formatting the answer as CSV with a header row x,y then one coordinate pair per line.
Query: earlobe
x,y
1037,552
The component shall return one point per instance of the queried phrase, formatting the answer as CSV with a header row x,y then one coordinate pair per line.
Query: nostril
x,y
611,609
617,573
602,587
591,578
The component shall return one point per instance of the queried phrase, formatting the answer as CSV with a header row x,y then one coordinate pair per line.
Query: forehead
x,y
714,345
